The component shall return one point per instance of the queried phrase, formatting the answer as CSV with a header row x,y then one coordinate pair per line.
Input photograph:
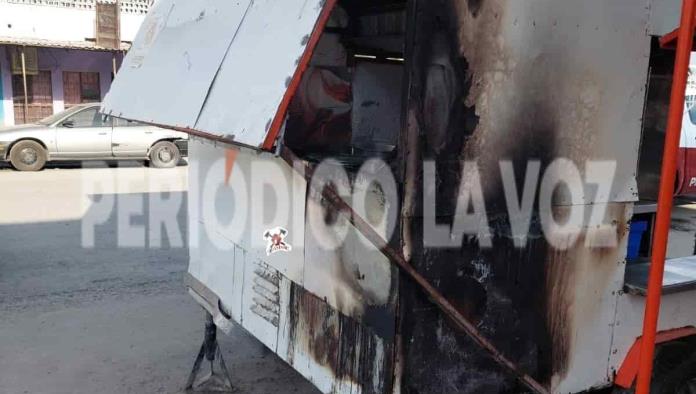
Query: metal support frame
x,y
666,195
218,379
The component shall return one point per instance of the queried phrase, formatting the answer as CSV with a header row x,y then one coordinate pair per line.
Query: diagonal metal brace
x,y
397,258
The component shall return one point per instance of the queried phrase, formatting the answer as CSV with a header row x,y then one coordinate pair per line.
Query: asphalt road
x,y
106,319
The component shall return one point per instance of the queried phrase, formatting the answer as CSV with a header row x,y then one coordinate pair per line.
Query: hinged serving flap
x,y
221,68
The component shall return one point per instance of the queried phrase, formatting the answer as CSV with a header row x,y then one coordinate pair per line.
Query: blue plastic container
x,y
635,237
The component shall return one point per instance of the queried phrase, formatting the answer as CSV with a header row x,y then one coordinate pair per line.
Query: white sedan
x,y
83,133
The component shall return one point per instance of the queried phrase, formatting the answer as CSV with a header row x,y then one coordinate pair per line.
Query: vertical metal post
x,y
210,341
666,195
218,380
113,63
24,82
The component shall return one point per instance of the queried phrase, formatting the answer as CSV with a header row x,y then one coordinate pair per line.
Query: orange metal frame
x,y
297,77
685,37
629,368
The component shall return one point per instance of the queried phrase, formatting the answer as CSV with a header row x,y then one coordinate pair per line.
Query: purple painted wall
x,y
59,60
6,100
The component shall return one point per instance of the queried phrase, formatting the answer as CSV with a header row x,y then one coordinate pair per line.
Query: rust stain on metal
x,y
559,278
351,351
567,269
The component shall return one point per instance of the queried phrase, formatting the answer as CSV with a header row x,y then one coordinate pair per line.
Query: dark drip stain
x,y
341,344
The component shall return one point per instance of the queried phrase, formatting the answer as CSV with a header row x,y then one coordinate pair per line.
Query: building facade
x,y
61,52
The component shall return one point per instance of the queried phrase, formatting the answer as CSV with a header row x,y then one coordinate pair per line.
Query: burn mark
x,y
474,6
559,298
504,289
353,352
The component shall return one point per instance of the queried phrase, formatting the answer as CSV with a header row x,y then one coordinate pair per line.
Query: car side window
x,y
88,118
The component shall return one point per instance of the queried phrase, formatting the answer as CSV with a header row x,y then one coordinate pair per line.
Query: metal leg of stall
x,y
218,379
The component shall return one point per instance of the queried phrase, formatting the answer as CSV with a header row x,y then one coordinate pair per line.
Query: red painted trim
x,y
629,368
666,196
297,77
669,40
230,159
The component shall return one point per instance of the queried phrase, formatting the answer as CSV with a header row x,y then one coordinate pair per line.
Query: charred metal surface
x,y
352,352
463,324
477,93
516,299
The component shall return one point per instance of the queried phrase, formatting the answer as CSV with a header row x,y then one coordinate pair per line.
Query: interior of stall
x,y
680,267
349,103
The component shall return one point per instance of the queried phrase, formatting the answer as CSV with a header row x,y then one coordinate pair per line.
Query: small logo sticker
x,y
276,241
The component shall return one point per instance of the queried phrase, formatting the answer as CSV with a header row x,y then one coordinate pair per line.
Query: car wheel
x,y
164,155
28,156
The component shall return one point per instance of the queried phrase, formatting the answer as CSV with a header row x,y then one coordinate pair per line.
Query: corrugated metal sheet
x,y
232,86
85,45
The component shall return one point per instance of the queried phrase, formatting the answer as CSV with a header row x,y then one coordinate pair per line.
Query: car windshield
x,y
60,115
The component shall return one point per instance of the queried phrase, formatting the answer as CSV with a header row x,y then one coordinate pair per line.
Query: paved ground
x,y
105,319
682,241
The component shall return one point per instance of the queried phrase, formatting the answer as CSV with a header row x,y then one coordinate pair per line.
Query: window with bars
x,y
80,87
39,98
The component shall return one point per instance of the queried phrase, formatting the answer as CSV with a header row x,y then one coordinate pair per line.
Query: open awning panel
x,y
220,68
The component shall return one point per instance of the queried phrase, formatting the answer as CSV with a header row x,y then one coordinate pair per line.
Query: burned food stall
x,y
350,168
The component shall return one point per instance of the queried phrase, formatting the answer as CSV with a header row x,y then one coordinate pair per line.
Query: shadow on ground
x,y
109,319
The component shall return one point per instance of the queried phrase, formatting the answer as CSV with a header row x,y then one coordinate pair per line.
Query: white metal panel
x,y
274,184
376,114
355,275
573,76
166,76
257,69
664,16
579,69
254,288
231,86
592,277
218,277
